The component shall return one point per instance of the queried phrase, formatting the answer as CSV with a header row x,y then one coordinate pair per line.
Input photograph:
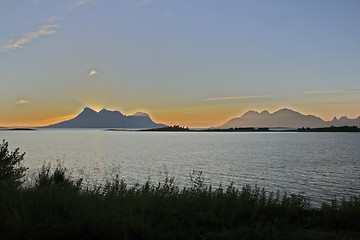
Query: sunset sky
x,y
196,63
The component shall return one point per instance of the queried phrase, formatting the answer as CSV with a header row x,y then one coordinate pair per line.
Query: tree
x,y
11,169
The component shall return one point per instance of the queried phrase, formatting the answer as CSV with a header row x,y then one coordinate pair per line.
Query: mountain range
x,y
89,118
283,118
286,118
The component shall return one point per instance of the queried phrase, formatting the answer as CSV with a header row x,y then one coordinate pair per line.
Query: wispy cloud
x,y
21,101
44,30
240,97
169,12
76,4
333,91
92,73
47,29
143,2
340,103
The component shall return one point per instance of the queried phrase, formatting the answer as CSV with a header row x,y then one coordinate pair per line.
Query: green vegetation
x,y
57,207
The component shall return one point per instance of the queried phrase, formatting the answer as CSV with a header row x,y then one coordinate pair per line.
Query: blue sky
x,y
195,63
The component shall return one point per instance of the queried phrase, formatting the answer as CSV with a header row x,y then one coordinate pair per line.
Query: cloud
x,y
333,91
340,103
92,73
169,12
143,2
76,4
47,29
240,97
44,30
21,101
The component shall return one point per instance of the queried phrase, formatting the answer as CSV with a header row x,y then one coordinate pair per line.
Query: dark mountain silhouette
x,y
344,121
89,118
286,118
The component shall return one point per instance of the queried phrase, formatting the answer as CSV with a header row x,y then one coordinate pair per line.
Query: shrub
x,y
59,178
11,169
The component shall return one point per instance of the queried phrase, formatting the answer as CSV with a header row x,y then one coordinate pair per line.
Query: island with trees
x,y
177,128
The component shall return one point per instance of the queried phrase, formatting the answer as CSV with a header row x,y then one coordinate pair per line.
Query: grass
x,y
57,207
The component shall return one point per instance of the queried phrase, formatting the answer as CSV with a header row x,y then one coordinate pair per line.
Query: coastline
x,y
245,129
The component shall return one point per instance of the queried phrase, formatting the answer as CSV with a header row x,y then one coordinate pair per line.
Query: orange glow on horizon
x,y
193,117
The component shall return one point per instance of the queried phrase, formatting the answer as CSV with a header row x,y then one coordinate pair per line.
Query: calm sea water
x,y
317,165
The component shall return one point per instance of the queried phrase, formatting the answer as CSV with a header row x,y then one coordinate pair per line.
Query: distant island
x,y
21,129
286,118
177,128
331,129
17,129
174,128
89,118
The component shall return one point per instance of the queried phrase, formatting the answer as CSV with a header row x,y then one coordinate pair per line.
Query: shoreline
x,y
246,129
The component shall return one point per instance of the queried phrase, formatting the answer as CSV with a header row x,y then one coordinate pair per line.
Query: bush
x,y
11,169
59,178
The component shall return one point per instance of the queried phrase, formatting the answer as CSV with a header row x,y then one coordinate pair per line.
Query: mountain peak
x,y
282,118
285,110
286,118
105,112
87,112
140,114
89,118
87,109
250,112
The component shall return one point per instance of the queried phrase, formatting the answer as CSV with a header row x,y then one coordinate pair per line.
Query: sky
x,y
196,63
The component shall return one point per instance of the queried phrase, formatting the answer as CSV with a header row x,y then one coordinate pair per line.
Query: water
x,y
317,165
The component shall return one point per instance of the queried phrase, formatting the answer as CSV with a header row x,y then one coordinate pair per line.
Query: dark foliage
x,y
11,169
58,179
330,129
174,128
57,207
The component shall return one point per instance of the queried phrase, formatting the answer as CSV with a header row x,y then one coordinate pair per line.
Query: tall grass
x,y
57,207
